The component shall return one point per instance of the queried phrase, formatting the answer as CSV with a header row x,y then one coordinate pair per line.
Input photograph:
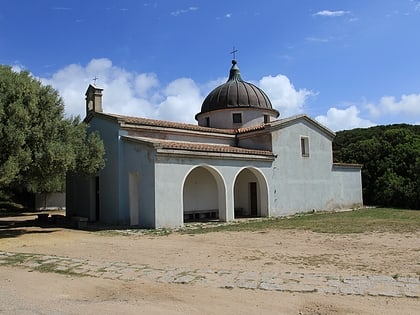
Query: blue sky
x,y
345,63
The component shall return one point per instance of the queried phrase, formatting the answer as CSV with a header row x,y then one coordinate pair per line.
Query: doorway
x,y
253,198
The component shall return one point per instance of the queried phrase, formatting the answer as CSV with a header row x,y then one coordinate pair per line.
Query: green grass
x,y
356,221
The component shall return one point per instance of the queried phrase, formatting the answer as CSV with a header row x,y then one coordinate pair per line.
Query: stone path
x,y
374,285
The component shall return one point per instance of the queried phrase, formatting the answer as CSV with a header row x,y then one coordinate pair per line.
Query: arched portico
x,y
204,194
250,193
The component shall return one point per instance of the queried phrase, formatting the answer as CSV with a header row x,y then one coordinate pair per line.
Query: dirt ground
x,y
25,291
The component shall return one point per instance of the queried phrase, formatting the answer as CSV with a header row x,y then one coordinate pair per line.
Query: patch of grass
x,y
317,260
346,222
396,276
13,260
47,267
133,232
54,268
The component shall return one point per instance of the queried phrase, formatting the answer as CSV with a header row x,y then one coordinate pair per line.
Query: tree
x,y
38,146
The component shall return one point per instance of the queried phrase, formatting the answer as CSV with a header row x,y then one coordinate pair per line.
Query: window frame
x,y
235,115
304,146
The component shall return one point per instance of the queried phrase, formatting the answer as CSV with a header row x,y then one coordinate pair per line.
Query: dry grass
x,y
356,221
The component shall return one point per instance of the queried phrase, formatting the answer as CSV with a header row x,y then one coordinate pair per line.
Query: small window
x,y
266,119
207,122
304,144
237,118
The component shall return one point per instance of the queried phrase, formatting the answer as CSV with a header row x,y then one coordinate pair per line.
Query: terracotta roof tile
x,y
252,128
177,125
168,124
203,147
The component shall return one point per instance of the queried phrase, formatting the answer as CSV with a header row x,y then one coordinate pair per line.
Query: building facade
x,y
239,161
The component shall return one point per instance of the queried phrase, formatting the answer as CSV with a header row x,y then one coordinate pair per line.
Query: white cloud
x,y
317,39
329,13
144,82
407,105
342,119
18,68
127,93
283,95
182,100
389,108
416,4
182,11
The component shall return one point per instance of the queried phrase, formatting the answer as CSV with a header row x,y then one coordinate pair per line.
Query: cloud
x,y
181,100
182,11
317,39
388,109
407,108
329,13
127,93
343,119
18,68
416,5
283,95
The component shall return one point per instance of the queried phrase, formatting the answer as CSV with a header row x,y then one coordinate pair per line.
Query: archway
x,y
204,195
250,194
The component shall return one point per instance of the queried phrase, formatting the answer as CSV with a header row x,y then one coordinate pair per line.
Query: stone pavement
x,y
373,285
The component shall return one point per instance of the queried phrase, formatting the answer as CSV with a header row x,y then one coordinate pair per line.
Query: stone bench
x,y
57,218
200,214
81,222
43,217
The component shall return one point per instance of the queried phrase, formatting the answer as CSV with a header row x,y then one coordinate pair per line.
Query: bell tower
x,y
93,99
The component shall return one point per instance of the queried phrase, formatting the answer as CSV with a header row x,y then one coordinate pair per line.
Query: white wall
x,y
109,179
300,184
139,162
223,118
200,191
347,183
172,172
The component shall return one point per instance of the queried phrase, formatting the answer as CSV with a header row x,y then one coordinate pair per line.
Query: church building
x,y
240,160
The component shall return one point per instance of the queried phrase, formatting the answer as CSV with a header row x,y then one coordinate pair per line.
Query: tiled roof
x,y
139,121
251,128
168,124
347,165
202,147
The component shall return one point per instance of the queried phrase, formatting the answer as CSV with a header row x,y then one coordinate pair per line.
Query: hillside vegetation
x,y
391,162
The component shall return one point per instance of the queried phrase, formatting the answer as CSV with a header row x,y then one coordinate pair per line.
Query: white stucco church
x,y
240,160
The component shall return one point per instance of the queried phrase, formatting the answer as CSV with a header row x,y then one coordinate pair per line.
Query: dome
x,y
236,93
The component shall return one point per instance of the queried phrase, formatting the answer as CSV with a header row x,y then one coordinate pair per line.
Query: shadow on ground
x,y
16,225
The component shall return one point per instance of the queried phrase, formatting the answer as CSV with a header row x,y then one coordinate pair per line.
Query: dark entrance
x,y
253,198
97,198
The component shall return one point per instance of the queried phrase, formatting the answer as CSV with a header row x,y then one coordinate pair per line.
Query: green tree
x,y
38,145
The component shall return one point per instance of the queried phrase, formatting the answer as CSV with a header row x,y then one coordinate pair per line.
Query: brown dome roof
x,y
236,93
